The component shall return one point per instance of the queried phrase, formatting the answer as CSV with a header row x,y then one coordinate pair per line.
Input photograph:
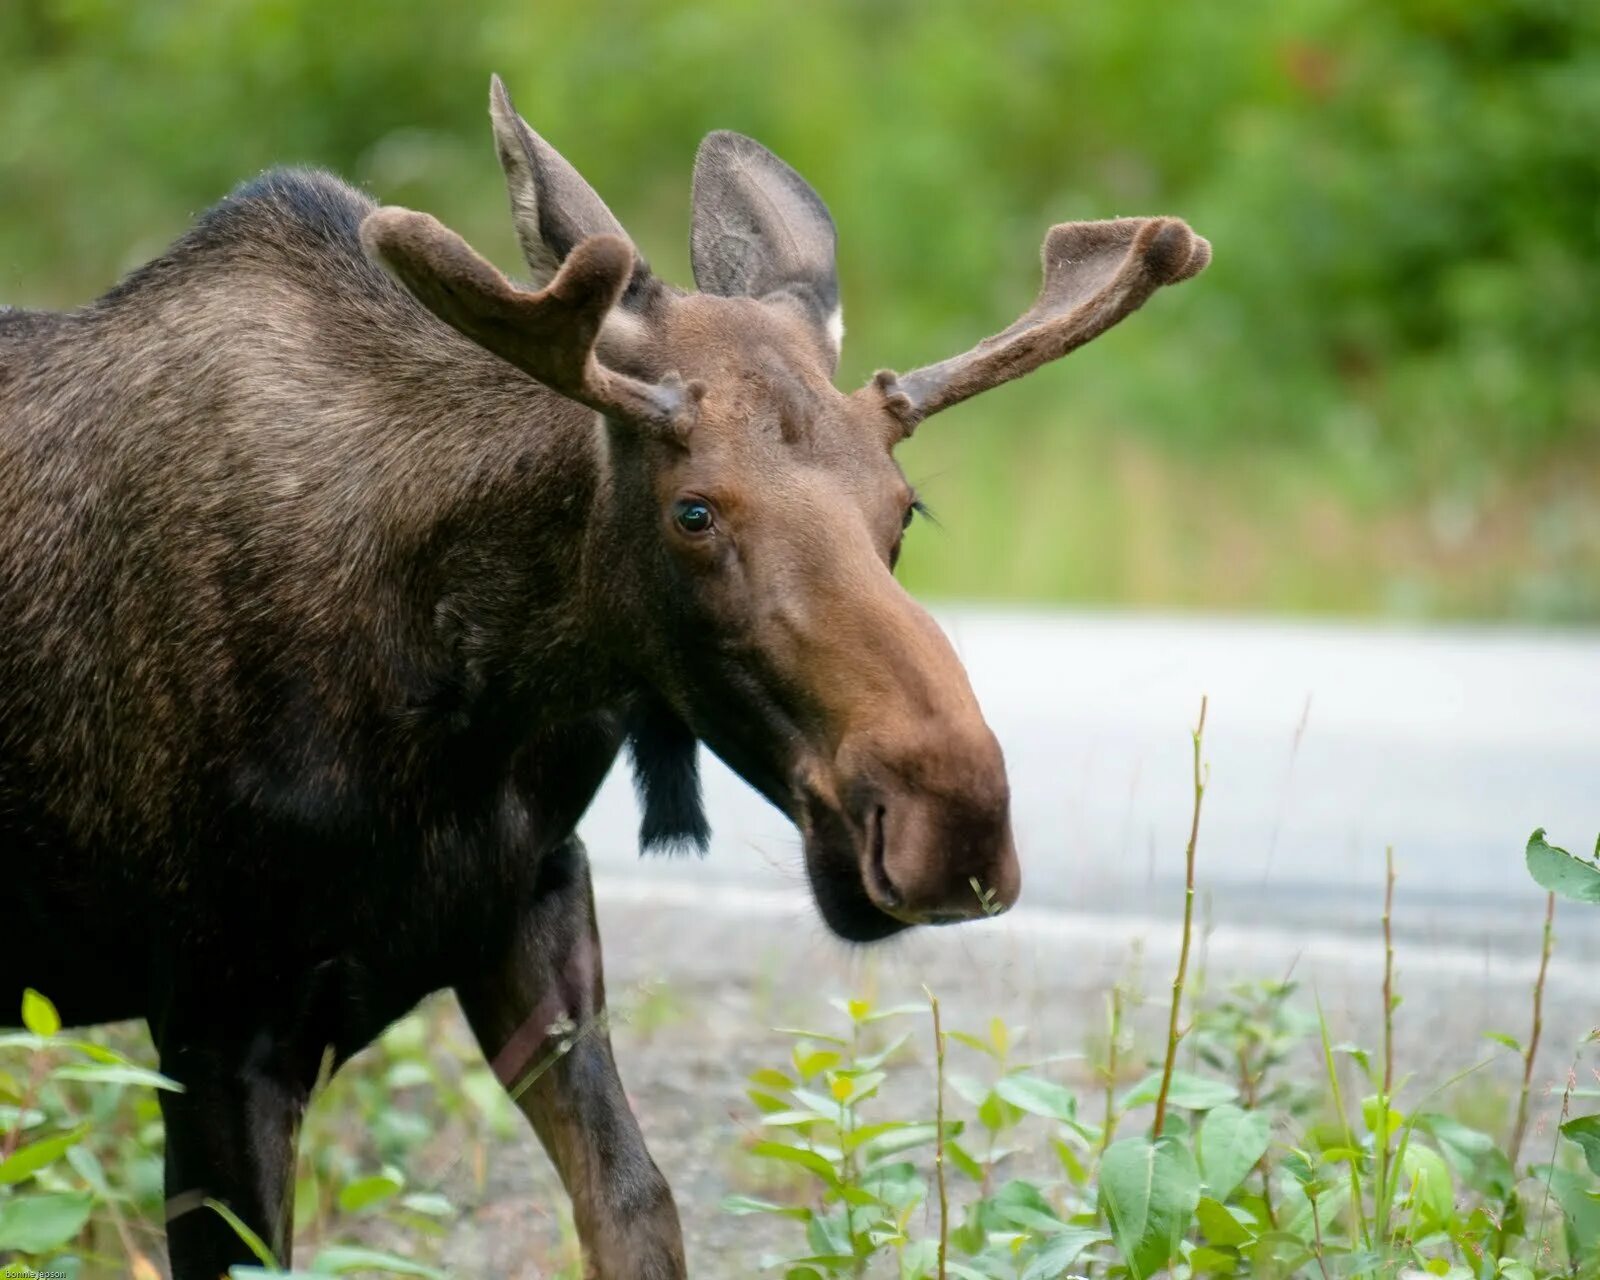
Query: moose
x,y
336,570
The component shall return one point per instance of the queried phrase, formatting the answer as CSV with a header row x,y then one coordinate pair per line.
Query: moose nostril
x,y
884,888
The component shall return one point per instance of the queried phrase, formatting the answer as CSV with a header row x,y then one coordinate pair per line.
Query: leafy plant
x,y
73,1171
862,1193
1562,873
80,1156
1325,1182
1252,1165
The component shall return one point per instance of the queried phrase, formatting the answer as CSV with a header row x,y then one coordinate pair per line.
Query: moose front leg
x,y
230,1138
565,1080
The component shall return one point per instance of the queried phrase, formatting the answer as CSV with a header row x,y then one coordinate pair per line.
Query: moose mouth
x,y
845,858
882,855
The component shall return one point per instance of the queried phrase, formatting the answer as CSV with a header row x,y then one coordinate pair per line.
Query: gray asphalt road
x,y
1325,743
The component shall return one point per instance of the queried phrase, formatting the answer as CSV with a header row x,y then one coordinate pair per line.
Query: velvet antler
x,y
550,334
1095,273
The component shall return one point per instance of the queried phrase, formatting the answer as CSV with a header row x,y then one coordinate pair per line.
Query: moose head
x,y
740,562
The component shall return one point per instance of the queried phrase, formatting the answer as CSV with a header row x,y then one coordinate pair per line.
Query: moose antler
x,y
1095,273
549,334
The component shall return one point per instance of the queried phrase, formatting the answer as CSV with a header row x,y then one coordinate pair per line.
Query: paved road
x,y
1325,742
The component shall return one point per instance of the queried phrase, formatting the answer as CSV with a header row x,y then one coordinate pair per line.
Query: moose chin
x,y
336,569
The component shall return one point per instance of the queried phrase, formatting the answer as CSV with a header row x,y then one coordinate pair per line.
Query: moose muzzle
x,y
935,843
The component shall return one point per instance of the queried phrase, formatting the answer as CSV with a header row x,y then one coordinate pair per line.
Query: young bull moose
x,y
335,570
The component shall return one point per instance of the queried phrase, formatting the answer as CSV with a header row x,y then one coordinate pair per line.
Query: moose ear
x,y
554,209
759,229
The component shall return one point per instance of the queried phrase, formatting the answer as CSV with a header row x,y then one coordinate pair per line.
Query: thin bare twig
x,y
1540,1248
1383,1193
37,1070
1388,971
1316,1226
1112,1049
1188,930
1520,1129
1197,994
938,1126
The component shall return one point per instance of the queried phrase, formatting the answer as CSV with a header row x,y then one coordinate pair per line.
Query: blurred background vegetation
x,y
1384,398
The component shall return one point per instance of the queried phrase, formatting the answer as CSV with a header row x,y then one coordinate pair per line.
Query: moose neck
x,y
498,503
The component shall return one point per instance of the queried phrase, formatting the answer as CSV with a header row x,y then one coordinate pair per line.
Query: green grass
x,y
1077,512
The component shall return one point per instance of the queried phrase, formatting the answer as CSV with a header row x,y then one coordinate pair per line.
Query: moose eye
x,y
692,515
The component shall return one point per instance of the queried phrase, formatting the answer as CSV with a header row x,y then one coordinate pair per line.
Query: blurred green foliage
x,y
1383,397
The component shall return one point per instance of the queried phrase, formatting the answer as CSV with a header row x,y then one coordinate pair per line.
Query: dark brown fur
x,y
295,697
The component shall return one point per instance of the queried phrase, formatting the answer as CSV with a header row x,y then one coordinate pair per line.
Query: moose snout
x,y
939,849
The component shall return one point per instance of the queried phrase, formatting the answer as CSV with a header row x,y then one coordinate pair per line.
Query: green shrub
x,y
1238,1168
80,1152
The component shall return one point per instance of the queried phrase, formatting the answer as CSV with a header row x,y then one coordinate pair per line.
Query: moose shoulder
x,y
336,569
